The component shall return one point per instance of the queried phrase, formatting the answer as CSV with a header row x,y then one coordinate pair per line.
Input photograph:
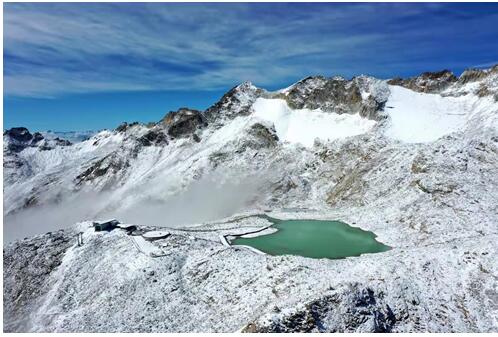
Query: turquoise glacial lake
x,y
315,239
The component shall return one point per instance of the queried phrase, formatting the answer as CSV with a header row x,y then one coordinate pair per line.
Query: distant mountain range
x,y
72,136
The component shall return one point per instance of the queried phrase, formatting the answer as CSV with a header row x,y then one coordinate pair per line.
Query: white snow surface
x,y
303,126
420,117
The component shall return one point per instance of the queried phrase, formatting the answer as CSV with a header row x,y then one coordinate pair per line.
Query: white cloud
x,y
54,48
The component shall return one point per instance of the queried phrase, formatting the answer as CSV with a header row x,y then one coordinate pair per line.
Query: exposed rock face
x,y
62,142
487,79
264,135
19,134
184,122
155,137
110,166
337,95
472,75
352,308
428,82
258,137
125,126
447,84
236,102
17,139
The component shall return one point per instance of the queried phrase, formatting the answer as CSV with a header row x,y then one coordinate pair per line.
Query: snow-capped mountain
x,y
414,160
250,134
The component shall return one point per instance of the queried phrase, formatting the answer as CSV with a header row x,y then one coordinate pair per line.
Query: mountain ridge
x,y
319,98
417,168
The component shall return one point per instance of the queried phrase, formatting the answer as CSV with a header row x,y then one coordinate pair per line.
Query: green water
x,y
316,239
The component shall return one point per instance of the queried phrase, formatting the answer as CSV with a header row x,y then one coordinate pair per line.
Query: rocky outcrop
x,y
125,126
21,135
107,170
472,75
184,122
258,137
17,139
109,166
154,137
428,82
447,84
236,102
263,136
338,95
487,78
351,309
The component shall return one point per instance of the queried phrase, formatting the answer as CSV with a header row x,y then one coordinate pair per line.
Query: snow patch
x,y
421,117
304,125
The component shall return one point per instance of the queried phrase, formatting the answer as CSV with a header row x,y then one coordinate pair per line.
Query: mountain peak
x,y
237,101
246,85
18,138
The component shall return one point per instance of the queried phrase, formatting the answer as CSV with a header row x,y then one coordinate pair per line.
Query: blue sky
x,y
74,66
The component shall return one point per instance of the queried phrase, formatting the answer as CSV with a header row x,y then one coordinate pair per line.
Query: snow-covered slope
x,y
415,161
199,285
420,117
304,126
251,141
233,146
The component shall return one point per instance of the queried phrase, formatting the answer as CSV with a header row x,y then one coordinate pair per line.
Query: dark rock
x,y
111,164
125,126
183,122
38,137
334,94
428,82
31,201
216,158
262,136
15,147
13,161
20,134
20,138
420,164
62,142
319,92
236,102
440,187
354,309
154,137
122,127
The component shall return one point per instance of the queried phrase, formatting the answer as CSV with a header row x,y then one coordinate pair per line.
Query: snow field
x,y
304,126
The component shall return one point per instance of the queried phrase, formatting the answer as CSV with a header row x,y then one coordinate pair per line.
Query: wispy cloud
x,y
58,48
